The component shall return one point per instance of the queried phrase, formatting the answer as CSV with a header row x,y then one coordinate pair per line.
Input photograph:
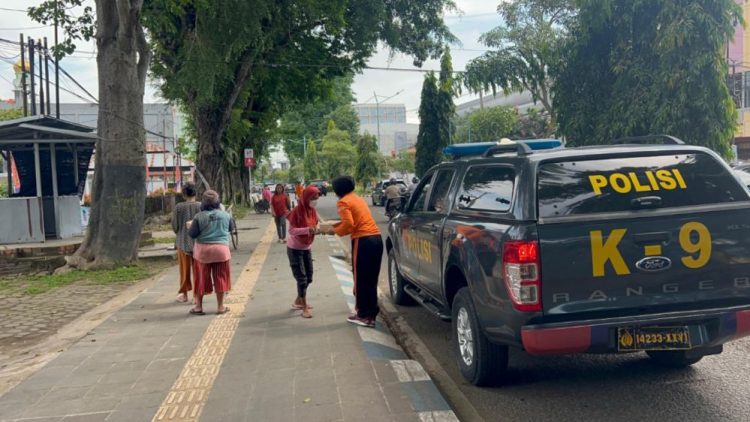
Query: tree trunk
x,y
119,187
210,153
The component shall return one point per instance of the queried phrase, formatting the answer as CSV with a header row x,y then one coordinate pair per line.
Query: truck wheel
x,y
672,358
373,201
396,283
480,362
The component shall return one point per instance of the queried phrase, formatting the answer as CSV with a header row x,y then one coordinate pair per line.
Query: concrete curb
x,y
412,345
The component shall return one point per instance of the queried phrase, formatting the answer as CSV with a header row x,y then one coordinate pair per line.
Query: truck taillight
x,y
521,273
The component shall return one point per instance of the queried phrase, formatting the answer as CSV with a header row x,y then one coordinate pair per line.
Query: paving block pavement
x,y
259,362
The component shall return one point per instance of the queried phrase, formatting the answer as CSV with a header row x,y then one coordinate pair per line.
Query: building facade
x,y
387,122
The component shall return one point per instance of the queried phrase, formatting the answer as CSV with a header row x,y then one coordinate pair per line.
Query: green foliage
x,y
312,162
428,138
368,163
669,76
436,110
345,118
533,125
74,27
260,56
404,164
35,285
526,48
337,153
309,119
10,114
490,124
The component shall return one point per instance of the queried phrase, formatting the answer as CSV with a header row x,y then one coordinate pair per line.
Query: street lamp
x,y
377,114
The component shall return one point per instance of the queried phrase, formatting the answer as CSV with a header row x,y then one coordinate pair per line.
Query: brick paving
x,y
26,320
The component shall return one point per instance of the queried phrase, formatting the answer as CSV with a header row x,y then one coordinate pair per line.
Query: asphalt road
x,y
591,387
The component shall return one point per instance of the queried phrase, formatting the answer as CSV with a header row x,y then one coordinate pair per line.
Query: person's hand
x,y
188,224
312,231
330,231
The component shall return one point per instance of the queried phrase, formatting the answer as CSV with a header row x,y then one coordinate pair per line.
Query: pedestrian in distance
x,y
210,228
414,184
184,212
392,192
298,189
303,226
266,194
367,249
280,206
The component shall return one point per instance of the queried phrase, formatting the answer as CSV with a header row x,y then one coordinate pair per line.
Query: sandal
x,y
181,298
194,311
306,313
225,310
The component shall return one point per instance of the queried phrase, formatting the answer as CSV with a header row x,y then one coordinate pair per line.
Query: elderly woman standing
x,y
210,229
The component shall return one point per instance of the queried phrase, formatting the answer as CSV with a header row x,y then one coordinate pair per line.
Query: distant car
x,y
378,198
744,176
289,188
322,185
742,166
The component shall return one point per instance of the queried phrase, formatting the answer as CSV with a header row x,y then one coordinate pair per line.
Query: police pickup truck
x,y
630,247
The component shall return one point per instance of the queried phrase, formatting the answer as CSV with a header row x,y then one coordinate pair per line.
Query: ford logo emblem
x,y
652,264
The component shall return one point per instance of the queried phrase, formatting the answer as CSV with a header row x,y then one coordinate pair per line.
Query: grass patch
x,y
34,285
168,239
240,211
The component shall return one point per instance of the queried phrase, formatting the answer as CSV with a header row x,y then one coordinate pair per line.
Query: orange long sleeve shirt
x,y
356,219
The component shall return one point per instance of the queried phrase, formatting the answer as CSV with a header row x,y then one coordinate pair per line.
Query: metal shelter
x,y
51,158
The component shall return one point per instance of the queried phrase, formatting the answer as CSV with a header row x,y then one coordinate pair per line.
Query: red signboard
x,y
249,162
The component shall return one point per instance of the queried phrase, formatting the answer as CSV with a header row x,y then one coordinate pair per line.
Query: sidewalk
x,y
260,362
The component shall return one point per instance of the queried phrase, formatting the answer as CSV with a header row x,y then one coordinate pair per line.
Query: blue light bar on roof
x,y
478,148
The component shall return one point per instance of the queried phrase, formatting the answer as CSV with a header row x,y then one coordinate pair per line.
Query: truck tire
x,y
373,201
396,283
672,358
479,361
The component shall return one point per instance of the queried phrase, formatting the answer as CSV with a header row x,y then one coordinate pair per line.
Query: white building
x,y
520,101
387,122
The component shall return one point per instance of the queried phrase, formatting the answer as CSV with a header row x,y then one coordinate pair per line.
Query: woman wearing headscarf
x,y
280,210
303,222
367,249
210,228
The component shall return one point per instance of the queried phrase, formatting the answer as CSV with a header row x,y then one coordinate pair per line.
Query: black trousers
x,y
302,269
367,252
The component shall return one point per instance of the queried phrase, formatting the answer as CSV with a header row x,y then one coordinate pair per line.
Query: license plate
x,y
653,338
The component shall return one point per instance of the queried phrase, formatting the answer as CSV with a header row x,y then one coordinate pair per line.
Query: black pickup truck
x,y
609,249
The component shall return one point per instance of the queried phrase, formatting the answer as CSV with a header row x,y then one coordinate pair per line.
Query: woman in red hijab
x,y
303,222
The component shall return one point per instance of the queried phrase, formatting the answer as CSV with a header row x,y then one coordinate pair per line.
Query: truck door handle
x,y
651,238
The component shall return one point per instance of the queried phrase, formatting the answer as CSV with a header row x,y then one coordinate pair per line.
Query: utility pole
x,y
41,78
23,79
46,76
57,68
31,67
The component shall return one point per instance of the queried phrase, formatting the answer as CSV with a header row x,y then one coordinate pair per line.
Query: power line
x,y
13,10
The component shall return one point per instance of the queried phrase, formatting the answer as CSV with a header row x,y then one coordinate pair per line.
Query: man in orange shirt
x,y
298,189
367,249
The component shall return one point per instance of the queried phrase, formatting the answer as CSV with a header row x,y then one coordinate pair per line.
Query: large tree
x,y
436,111
368,162
337,153
668,76
119,188
428,137
525,49
207,53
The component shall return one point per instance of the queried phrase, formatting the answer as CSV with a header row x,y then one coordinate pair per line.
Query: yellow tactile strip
x,y
189,393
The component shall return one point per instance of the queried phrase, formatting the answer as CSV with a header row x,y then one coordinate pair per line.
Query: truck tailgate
x,y
642,235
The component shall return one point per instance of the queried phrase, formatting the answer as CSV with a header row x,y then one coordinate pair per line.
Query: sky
x,y
475,18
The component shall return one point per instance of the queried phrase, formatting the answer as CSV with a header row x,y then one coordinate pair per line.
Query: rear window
x,y
487,188
624,184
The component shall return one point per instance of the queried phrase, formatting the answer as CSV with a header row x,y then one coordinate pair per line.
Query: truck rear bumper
x,y
711,327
